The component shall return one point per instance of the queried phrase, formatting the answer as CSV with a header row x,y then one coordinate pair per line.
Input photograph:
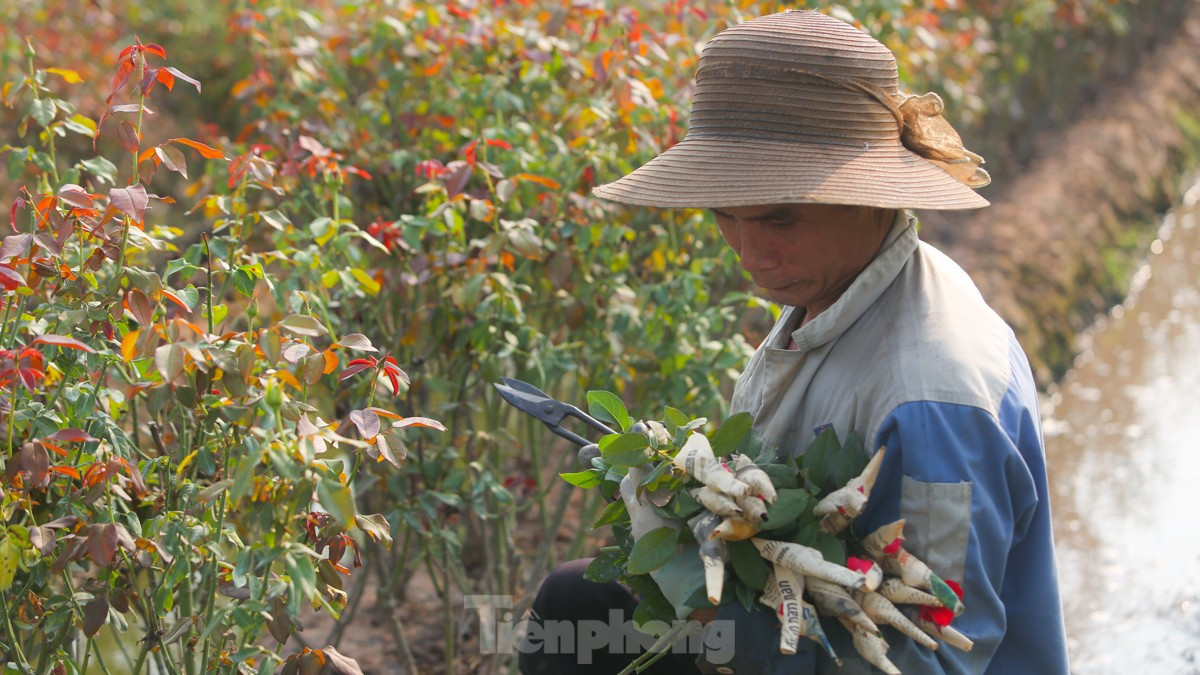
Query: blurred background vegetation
x,y
420,173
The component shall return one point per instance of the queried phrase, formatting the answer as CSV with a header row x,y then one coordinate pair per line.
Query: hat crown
x,y
804,39
799,76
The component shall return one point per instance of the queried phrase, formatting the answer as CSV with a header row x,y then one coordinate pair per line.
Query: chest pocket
x,y
938,524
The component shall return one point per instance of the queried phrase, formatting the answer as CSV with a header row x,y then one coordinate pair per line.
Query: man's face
x,y
804,255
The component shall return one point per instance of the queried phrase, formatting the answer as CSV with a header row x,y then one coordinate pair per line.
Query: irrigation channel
x,y
1123,444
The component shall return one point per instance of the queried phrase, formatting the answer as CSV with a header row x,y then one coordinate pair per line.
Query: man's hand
x,y
642,517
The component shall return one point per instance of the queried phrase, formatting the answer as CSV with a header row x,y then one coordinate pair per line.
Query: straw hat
x,y
799,107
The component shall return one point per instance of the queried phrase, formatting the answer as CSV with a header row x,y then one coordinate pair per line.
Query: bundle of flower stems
x,y
889,586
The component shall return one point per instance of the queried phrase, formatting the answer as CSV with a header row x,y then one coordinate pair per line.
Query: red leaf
x,y
71,436
75,196
130,200
457,180
424,422
62,341
183,77
95,615
469,152
15,246
172,158
204,150
18,204
128,136
353,370
155,49
10,279
496,143
102,542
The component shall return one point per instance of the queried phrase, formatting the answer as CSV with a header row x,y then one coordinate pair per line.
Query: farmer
x,y
809,158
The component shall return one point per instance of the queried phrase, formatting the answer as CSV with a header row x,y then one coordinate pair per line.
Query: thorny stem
x,y
208,255
29,54
212,584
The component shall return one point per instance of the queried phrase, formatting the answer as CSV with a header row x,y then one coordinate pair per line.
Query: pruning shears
x,y
550,411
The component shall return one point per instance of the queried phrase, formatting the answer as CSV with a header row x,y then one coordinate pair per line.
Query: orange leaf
x,y
54,448
287,378
540,180
62,341
331,362
67,471
204,150
129,345
386,413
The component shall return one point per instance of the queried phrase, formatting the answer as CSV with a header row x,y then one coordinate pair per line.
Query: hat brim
x,y
722,171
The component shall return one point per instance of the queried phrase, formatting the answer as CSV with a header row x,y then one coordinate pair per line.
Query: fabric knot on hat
x,y
924,131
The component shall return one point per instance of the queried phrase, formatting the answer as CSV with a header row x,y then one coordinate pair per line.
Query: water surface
x,y
1123,446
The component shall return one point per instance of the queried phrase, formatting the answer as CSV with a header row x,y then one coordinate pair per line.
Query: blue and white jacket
x,y
911,358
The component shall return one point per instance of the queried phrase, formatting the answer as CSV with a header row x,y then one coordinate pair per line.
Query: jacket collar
x,y
897,248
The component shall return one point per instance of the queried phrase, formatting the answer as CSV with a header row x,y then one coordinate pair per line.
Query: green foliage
x,y
415,174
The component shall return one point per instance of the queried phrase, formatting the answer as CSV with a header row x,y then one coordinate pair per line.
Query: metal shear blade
x,y
551,412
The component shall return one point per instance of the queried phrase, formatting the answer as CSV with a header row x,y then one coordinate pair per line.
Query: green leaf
x,y
745,595
849,462
276,219
304,576
831,548
101,168
376,527
653,550
218,314
789,505
43,111
584,479
683,505
674,419
337,500
612,513
819,459
731,434
10,558
244,282
748,564
625,449
608,566
180,265
190,296
781,475
654,607
606,407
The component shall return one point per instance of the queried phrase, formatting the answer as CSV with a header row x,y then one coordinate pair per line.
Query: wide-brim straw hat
x,y
800,107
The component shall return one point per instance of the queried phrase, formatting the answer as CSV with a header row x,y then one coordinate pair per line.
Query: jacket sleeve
x,y
972,486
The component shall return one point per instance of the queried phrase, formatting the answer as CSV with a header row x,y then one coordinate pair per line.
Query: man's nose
x,y
758,252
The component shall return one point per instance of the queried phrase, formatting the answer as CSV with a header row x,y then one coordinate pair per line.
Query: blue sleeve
x,y
973,488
